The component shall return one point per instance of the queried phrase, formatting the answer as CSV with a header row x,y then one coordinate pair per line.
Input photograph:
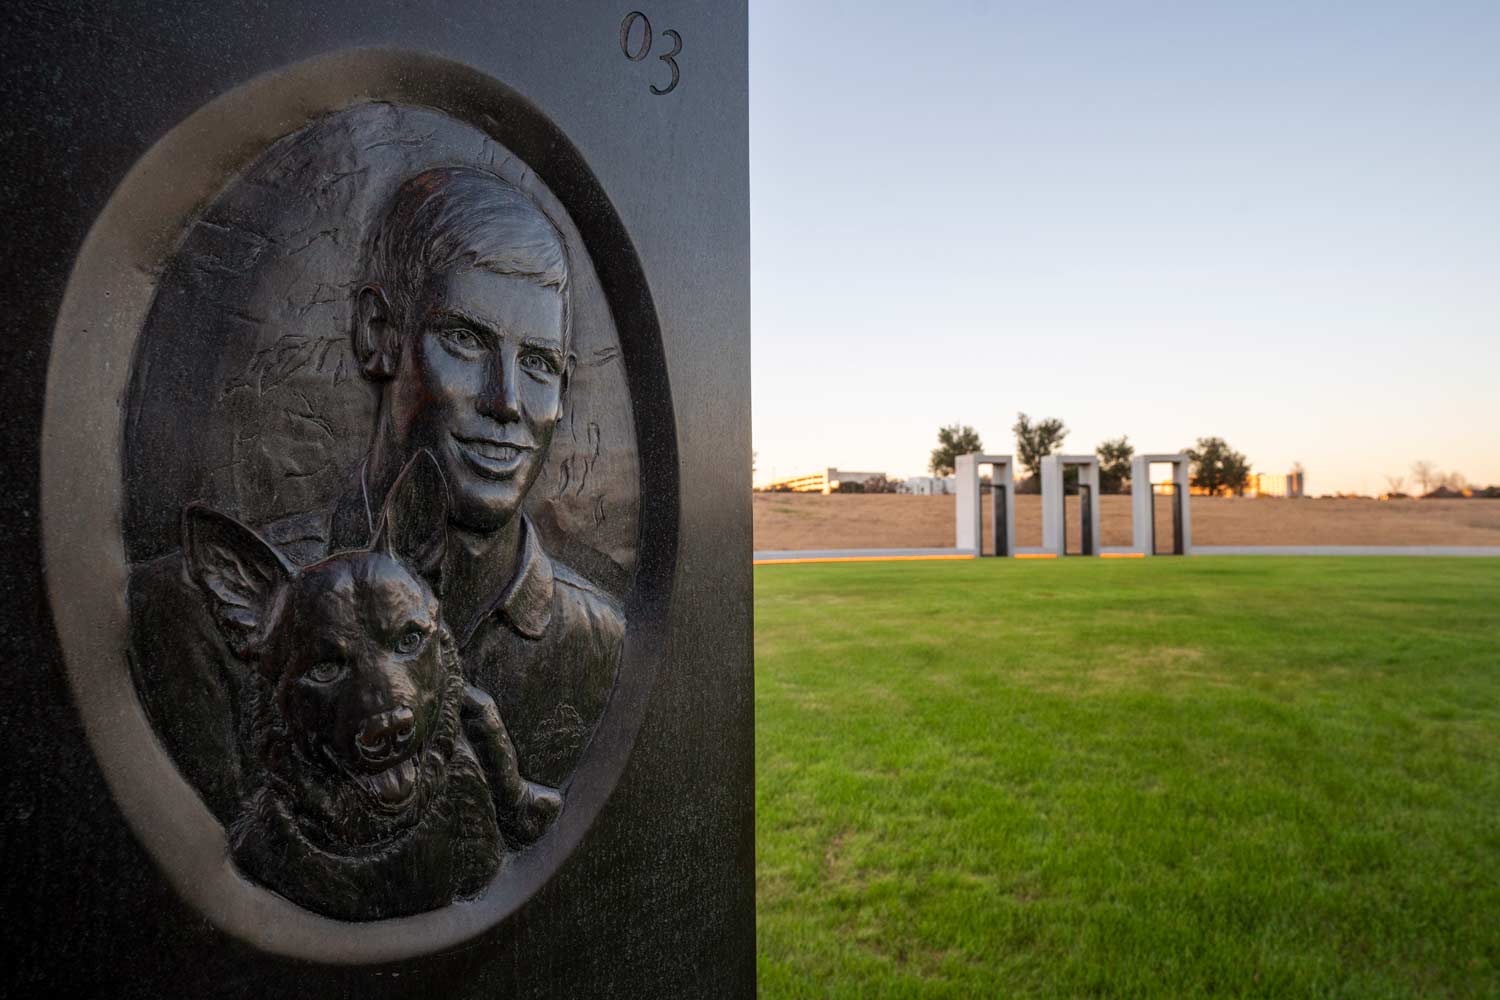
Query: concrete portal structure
x,y
1054,520
1143,504
968,529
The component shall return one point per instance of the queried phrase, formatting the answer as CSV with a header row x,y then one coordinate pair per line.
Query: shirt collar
x,y
525,602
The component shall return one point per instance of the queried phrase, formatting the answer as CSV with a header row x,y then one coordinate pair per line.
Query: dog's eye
x,y
326,672
410,642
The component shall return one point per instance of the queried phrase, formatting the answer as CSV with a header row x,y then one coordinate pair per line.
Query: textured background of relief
x,y
245,394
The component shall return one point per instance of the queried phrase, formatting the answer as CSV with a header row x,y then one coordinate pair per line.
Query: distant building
x,y
929,486
812,483
1262,484
822,482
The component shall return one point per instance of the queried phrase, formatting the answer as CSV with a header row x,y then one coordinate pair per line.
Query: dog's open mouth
x,y
392,788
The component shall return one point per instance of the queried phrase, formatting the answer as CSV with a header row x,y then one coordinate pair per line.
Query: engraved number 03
x,y
643,48
676,73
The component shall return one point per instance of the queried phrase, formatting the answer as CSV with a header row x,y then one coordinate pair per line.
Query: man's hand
x,y
523,809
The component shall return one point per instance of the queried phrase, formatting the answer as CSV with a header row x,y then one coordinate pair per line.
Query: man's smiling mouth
x,y
491,459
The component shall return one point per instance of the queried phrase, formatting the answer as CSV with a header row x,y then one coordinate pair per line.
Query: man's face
x,y
480,384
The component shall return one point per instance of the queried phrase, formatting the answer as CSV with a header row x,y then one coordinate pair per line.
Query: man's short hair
x,y
461,215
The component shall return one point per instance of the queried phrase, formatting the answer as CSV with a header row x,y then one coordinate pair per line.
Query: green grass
x,y
1177,777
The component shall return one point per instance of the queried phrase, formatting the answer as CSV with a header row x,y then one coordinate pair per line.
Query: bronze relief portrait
x,y
381,511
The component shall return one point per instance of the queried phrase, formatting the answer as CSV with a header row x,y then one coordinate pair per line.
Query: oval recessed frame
x,y
104,310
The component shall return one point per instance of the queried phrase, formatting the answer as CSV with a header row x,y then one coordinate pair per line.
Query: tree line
x,y
1429,481
1216,467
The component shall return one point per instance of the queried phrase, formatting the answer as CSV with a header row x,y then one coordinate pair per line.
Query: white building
x,y
930,486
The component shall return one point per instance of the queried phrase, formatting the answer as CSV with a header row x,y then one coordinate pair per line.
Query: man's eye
x,y
326,672
463,339
410,642
536,362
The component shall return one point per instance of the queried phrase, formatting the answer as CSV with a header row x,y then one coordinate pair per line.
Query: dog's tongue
x,y
393,786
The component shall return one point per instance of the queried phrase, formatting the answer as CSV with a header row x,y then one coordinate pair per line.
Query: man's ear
x,y
377,343
238,571
414,525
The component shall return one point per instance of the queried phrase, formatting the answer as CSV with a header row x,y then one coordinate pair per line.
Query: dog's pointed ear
x,y
239,572
414,526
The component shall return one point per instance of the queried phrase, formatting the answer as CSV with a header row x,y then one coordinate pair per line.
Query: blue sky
x,y
1274,222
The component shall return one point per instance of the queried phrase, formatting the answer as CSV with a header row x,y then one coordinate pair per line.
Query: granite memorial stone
x,y
378,615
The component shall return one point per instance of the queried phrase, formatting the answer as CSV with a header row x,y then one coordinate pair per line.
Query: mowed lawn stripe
x,y
1169,777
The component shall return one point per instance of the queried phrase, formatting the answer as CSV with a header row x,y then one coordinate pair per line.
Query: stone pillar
x,y
1181,481
1053,508
1003,489
1088,475
1142,516
968,532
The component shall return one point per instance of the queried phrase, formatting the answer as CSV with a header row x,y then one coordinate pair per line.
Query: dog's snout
x,y
386,733
404,723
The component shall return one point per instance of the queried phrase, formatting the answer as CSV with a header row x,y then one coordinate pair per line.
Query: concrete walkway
x,y
1346,550
890,555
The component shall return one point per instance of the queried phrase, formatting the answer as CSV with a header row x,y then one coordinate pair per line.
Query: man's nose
x,y
499,399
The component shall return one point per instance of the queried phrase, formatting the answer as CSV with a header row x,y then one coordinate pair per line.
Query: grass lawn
x,y
1171,777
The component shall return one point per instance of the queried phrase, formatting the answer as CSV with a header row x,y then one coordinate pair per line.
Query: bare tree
x,y
1425,474
1456,482
1395,484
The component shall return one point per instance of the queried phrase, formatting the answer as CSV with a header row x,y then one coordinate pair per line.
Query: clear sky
x,y
1275,222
